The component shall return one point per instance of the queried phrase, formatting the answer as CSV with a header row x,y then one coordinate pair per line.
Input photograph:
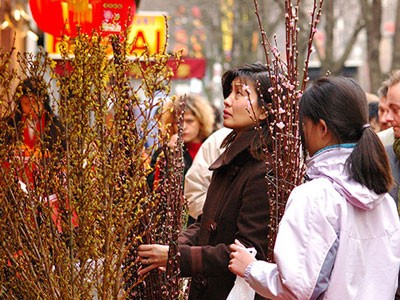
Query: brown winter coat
x,y
236,207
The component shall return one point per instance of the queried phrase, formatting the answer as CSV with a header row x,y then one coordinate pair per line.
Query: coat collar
x,y
241,143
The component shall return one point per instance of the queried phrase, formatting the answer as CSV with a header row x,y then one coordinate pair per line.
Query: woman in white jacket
x,y
340,235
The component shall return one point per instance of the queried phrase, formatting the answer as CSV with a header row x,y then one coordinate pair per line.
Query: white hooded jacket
x,y
337,240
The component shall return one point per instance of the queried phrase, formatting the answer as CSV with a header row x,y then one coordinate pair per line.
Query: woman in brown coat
x,y
236,206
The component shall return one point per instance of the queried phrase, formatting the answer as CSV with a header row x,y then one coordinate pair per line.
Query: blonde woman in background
x,y
198,123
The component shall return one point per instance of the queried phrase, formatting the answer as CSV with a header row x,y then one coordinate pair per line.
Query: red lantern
x,y
59,17
51,22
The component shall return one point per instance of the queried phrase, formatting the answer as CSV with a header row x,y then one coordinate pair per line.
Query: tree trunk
x,y
396,40
373,17
328,59
331,61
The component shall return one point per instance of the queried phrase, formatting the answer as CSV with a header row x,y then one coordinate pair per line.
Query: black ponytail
x,y
342,104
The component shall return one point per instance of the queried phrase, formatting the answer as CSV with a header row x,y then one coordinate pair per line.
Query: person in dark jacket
x,y
236,206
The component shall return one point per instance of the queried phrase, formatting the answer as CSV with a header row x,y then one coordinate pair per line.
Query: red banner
x,y
186,69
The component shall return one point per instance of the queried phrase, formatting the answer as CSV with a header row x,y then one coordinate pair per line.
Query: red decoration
x,y
59,17
186,69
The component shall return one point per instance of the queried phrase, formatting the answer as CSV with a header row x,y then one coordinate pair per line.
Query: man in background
x,y
386,133
393,150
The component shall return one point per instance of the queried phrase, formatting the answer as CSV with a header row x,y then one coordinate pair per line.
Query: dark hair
x,y
373,110
342,104
258,74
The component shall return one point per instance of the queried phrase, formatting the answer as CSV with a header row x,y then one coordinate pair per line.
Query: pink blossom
x,y
246,88
280,125
275,50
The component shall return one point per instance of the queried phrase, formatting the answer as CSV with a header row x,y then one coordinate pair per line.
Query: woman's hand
x,y
152,257
240,258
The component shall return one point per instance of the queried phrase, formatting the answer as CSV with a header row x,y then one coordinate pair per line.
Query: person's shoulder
x,y
314,194
386,136
390,152
218,135
212,145
314,188
319,181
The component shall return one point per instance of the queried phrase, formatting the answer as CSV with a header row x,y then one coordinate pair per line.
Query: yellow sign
x,y
148,29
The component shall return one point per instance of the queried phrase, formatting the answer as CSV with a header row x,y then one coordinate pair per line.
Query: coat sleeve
x,y
251,230
305,248
189,236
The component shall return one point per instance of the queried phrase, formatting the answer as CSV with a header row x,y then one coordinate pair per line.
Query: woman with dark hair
x,y
339,237
33,127
236,206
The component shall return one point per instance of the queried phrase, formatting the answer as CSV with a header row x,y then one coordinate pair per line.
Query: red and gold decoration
x,y
59,17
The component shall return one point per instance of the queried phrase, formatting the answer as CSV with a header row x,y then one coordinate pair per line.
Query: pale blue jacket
x,y
337,240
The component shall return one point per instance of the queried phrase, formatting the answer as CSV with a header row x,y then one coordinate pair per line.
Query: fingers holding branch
x,y
152,257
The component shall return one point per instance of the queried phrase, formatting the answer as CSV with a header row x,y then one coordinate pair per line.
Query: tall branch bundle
x,y
288,84
72,231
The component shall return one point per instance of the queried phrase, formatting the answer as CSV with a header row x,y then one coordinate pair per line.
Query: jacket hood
x,y
330,164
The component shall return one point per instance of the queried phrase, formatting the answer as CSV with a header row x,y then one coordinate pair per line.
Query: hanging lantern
x,y
59,17
48,15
